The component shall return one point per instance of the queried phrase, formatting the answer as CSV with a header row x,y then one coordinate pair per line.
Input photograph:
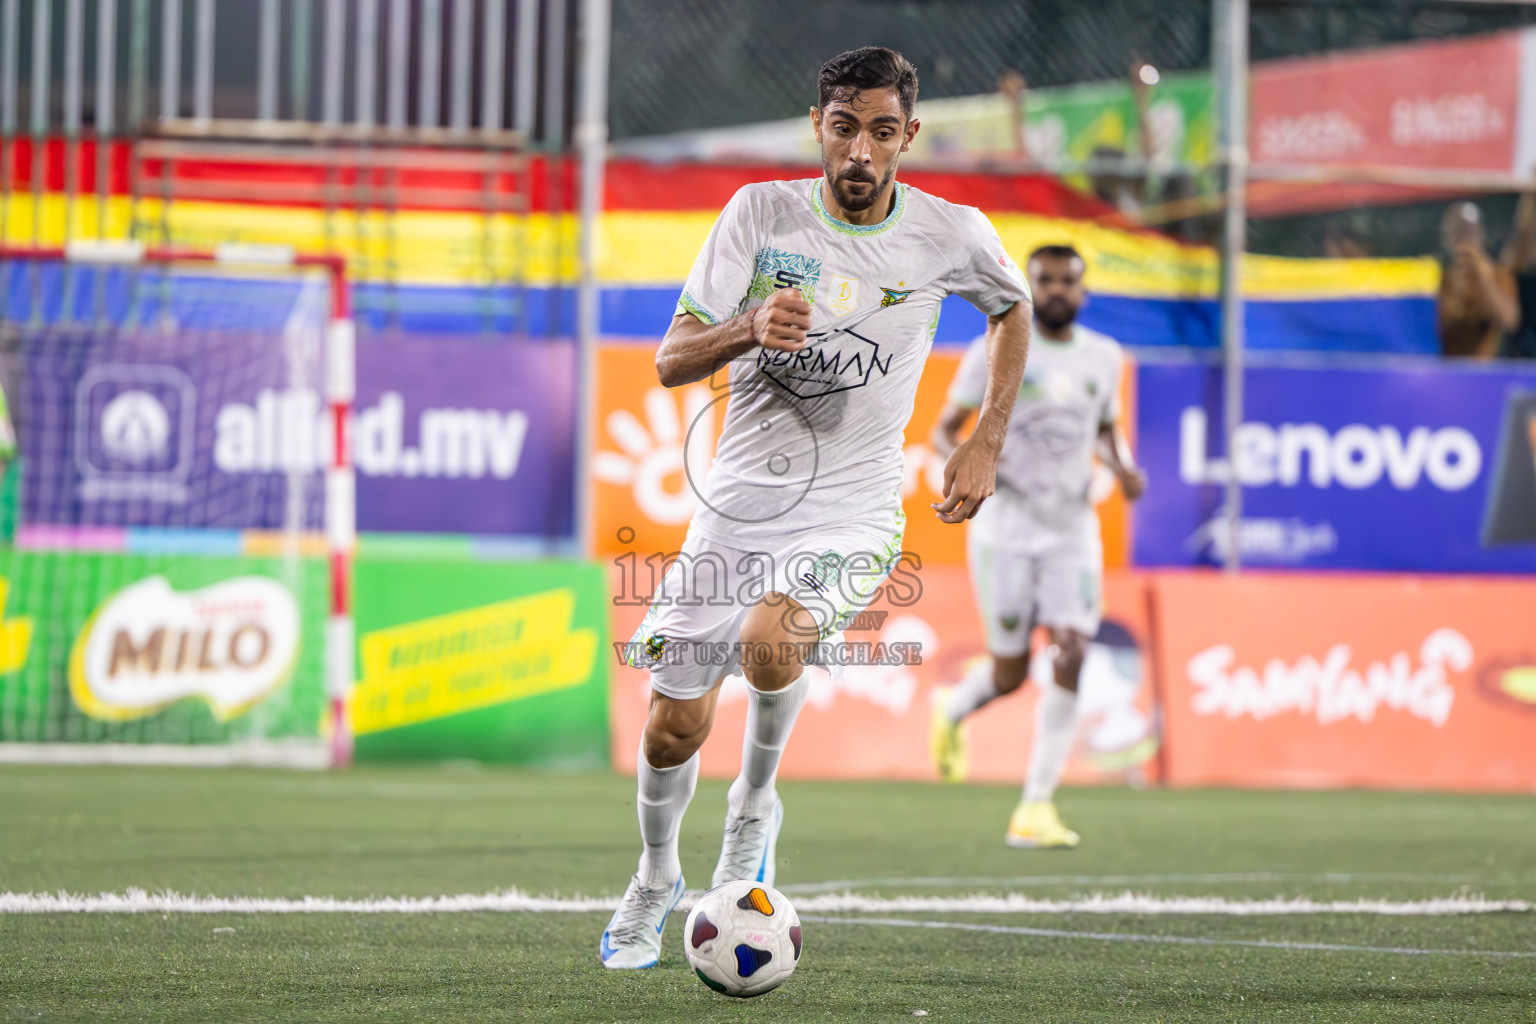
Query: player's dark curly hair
x,y
1058,252
868,67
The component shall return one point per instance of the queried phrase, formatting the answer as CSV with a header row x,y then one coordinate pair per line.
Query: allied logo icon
x,y
135,427
895,296
843,295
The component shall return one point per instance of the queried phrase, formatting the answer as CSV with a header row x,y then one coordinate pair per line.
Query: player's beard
x,y
1055,314
847,200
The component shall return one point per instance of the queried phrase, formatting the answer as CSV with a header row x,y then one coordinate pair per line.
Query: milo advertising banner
x,y
118,648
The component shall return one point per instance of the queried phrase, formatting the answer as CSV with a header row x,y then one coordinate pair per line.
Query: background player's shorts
x,y
690,638
1029,575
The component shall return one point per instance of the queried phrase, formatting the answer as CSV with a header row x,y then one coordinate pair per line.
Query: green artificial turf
x,y
429,831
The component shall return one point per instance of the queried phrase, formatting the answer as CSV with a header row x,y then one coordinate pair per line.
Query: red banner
x,y
1450,104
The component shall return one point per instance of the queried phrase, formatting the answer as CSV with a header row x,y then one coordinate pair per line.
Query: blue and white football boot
x,y
749,849
633,937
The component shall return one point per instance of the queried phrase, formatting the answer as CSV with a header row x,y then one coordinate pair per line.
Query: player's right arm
x,y
694,349
704,336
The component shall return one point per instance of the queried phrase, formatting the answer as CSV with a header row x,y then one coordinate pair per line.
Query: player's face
x,y
1057,284
862,136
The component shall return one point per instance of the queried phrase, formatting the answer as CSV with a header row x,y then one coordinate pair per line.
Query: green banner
x,y
121,648
491,661
1074,123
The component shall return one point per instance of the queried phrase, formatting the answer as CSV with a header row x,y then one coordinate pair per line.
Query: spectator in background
x,y
1477,303
1520,257
1341,243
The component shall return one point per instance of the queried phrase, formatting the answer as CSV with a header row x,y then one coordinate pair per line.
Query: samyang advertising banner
x,y
1299,680
1404,467
218,429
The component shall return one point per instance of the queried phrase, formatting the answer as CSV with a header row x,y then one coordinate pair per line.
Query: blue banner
x,y
1395,467
215,429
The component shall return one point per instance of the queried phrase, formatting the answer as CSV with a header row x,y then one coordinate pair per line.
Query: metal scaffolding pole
x,y
170,59
592,151
1229,55
266,68
525,63
202,84
430,55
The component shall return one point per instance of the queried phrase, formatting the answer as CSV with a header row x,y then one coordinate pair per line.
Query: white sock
x,y
1055,728
662,798
770,718
973,691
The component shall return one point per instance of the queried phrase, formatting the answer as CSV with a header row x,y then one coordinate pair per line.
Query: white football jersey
x,y
814,437
1070,390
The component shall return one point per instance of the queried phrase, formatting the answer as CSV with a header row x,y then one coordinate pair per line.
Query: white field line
x,y
1144,903
1041,881
1175,940
140,901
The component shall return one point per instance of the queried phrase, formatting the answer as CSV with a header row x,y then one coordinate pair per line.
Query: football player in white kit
x,y
812,306
1034,549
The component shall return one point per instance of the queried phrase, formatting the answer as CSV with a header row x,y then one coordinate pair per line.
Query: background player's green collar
x,y
1072,342
859,230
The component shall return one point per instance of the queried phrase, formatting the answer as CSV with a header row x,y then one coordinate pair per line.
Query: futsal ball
x,y
742,938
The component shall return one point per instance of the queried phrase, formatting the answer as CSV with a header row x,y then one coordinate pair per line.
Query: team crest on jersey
x,y
894,296
1009,622
843,295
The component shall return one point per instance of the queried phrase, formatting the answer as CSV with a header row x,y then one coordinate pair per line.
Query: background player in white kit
x,y
1034,549
821,296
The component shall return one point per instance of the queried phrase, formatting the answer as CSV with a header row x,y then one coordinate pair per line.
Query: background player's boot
x,y
633,936
946,740
749,848
1037,826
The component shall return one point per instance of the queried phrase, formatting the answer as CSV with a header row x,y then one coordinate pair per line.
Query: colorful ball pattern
x,y
742,938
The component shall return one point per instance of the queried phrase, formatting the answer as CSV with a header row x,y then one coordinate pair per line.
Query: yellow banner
x,y
639,249
471,659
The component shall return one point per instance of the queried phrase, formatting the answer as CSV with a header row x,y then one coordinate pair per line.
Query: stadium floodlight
x,y
186,442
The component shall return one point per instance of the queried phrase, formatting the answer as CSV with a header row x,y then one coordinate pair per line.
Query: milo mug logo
x,y
230,644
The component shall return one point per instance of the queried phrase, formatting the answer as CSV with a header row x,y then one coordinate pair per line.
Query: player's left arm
x,y
1113,448
970,474
1114,451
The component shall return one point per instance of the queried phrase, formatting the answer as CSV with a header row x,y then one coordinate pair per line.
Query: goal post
x,y
179,589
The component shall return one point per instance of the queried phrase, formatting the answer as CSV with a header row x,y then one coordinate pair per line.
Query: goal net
x,y
178,515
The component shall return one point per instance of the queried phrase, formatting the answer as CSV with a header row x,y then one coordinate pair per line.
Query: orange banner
x,y
1324,681
873,723
650,439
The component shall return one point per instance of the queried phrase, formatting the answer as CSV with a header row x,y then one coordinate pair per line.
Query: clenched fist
x,y
781,322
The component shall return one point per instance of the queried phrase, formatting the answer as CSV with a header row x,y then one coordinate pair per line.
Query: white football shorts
x,y
1028,575
690,638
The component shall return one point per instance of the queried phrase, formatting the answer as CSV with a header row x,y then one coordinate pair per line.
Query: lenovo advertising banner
x,y
1311,681
1413,467
223,430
